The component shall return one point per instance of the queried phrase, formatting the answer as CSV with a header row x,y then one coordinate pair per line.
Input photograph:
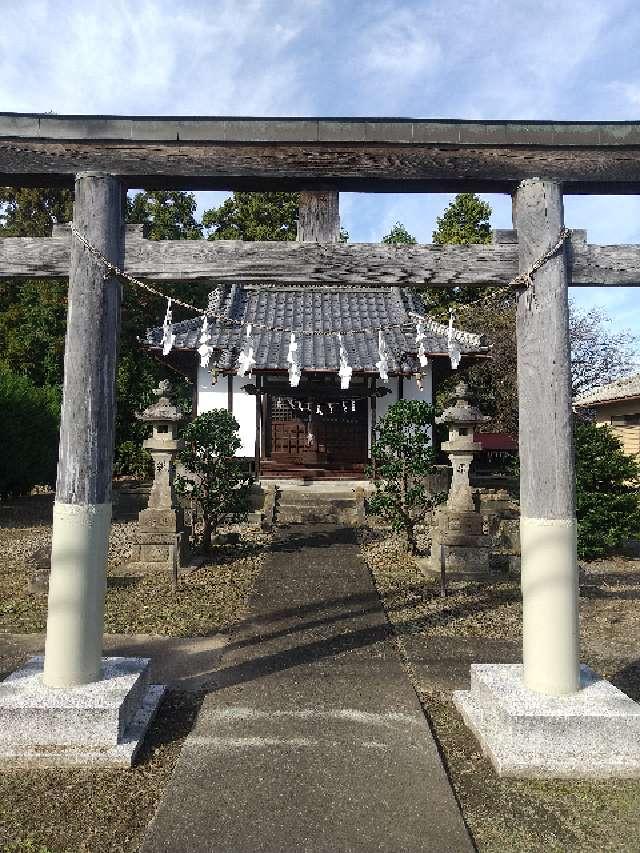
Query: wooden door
x,y
324,435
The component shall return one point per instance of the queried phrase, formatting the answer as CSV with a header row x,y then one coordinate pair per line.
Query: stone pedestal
x,y
101,723
591,734
161,542
458,540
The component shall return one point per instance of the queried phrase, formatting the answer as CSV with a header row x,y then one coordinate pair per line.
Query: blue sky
x,y
486,59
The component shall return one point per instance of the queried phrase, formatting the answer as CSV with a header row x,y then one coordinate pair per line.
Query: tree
x,y
254,216
598,356
399,236
29,418
216,481
168,215
403,458
607,493
493,381
28,212
466,220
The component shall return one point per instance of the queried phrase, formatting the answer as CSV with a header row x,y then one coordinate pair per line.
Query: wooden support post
x,y
230,393
258,425
547,472
82,510
319,217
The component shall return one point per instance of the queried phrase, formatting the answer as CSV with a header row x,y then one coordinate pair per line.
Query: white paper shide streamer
x,y
423,358
292,361
452,345
205,349
383,363
246,361
168,338
345,370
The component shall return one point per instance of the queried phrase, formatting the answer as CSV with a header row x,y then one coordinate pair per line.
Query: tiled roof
x,y
618,390
317,308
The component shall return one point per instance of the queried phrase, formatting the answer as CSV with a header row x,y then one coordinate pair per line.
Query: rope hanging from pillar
x,y
523,280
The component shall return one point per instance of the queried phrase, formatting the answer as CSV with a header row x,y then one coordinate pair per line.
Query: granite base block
x,y
101,723
594,733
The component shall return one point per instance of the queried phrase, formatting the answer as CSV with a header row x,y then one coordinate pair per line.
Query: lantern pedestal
x,y
458,543
161,542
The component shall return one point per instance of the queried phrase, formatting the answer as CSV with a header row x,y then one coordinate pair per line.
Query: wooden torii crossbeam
x,y
536,162
311,262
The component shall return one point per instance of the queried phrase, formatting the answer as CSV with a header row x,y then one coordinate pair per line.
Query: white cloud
x,y
396,43
152,57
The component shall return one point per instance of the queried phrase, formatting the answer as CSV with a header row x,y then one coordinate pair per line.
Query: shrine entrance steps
x,y
320,502
311,737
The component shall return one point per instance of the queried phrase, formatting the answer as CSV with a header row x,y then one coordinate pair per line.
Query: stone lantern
x,y
457,538
161,541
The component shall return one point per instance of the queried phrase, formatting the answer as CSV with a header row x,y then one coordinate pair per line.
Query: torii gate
x,y
535,162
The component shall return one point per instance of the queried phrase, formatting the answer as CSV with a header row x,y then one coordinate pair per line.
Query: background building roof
x,y
316,309
618,390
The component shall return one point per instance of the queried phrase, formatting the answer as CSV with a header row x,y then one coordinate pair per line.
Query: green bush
x,y
132,460
216,481
29,422
607,493
403,458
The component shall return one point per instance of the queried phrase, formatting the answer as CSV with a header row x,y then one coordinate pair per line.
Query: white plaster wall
x,y
212,396
410,392
244,406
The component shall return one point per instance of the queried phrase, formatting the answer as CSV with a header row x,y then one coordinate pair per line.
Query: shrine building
x,y
322,426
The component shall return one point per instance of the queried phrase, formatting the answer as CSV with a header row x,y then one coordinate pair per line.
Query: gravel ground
x,y
207,599
94,811
507,815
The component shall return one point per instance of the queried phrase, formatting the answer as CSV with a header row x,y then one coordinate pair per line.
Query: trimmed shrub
x,y
216,481
607,491
403,459
29,422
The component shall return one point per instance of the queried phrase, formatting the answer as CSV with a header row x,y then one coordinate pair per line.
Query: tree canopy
x,y
167,215
254,216
466,220
399,236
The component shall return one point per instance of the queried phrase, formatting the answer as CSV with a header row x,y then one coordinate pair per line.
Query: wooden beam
x,y
296,263
372,155
319,217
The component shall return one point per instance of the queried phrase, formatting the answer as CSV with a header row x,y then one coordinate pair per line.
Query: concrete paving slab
x,y
312,738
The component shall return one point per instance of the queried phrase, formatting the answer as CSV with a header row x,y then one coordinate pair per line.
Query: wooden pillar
x,y
230,393
547,472
82,509
258,425
319,217
374,401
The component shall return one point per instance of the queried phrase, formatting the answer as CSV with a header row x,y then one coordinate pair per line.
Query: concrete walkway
x,y
312,738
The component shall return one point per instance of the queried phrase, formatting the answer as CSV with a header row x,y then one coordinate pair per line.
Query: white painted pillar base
x,y
550,638
76,594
